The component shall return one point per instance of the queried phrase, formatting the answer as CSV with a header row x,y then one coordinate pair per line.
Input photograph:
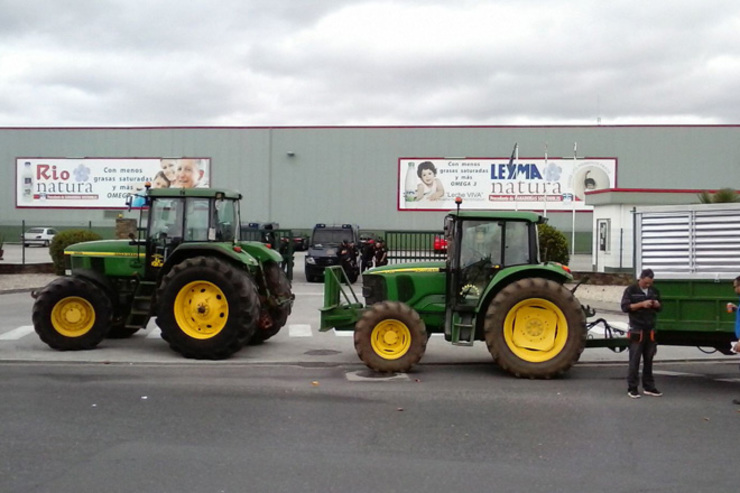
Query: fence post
x,y
23,242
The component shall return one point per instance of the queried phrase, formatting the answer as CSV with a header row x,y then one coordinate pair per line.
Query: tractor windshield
x,y
481,240
165,218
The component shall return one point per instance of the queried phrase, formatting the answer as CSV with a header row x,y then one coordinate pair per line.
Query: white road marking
x,y
299,330
15,334
668,373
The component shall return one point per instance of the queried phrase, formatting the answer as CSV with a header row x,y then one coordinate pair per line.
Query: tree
x,y
721,196
62,240
553,245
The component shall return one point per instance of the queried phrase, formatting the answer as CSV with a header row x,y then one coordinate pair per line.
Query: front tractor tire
x,y
535,328
207,309
390,337
71,314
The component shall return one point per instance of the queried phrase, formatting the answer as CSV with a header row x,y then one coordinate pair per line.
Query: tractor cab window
x,y
481,240
479,256
196,219
225,217
165,218
517,243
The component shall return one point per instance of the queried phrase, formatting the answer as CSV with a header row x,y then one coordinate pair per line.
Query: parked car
x,y
300,242
323,249
38,236
440,244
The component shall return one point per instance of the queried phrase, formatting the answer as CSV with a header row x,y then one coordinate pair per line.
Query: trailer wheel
x,y
535,328
280,289
207,308
390,337
71,314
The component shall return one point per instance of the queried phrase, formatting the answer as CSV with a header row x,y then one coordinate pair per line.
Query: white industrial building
x,y
583,177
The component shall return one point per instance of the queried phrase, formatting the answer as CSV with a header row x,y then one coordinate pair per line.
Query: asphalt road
x,y
301,413
295,428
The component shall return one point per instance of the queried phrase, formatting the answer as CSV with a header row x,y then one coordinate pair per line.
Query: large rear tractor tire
x,y
535,328
71,314
278,306
207,308
390,337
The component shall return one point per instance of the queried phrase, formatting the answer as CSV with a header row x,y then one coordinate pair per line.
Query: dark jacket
x,y
644,318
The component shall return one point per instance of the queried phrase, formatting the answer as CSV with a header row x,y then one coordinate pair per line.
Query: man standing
x,y
381,253
733,307
642,302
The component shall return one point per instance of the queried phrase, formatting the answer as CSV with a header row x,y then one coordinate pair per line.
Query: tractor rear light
x,y
237,249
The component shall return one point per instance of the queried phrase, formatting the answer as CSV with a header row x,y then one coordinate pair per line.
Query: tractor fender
x,y
233,253
260,251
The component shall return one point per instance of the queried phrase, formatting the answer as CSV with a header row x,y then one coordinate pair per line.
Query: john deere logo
x,y
157,260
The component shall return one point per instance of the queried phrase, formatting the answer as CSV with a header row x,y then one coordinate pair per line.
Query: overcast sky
x,y
372,62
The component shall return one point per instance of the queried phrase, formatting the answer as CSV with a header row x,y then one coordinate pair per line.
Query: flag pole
x,y
545,194
516,164
573,225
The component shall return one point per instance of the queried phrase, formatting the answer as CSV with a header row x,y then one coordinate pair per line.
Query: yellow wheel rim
x,y
390,339
73,316
201,310
535,330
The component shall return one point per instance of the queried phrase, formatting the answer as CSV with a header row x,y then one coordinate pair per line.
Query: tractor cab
x,y
178,216
480,244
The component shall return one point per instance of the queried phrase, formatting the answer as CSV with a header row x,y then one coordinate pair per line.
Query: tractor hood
x,y
105,248
409,267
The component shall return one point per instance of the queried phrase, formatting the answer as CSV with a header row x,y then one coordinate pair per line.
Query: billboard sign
x,y
555,184
101,183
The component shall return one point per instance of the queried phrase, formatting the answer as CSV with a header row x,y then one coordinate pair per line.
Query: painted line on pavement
x,y
17,333
299,330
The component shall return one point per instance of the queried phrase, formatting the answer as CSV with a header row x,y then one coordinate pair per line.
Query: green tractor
x,y
491,287
210,292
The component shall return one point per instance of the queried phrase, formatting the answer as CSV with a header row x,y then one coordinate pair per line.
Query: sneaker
x,y
653,392
633,394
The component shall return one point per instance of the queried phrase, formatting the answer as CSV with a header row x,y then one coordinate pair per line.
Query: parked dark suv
x,y
324,247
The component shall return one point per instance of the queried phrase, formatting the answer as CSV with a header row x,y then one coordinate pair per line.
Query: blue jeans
x,y
642,346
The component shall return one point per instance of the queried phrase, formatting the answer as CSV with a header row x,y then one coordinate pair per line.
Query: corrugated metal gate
x,y
696,243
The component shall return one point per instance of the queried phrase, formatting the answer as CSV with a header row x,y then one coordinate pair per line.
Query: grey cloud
x,y
284,62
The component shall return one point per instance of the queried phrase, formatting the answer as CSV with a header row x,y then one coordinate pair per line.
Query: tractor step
x,y
463,331
141,305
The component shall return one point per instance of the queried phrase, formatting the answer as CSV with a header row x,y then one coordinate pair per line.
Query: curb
x,y
18,290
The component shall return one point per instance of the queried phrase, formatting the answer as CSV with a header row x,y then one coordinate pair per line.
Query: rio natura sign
x,y
101,182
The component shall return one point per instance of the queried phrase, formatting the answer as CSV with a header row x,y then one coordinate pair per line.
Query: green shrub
x,y
553,245
62,240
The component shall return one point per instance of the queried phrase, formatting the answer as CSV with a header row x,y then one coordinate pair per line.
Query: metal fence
x,y
415,246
